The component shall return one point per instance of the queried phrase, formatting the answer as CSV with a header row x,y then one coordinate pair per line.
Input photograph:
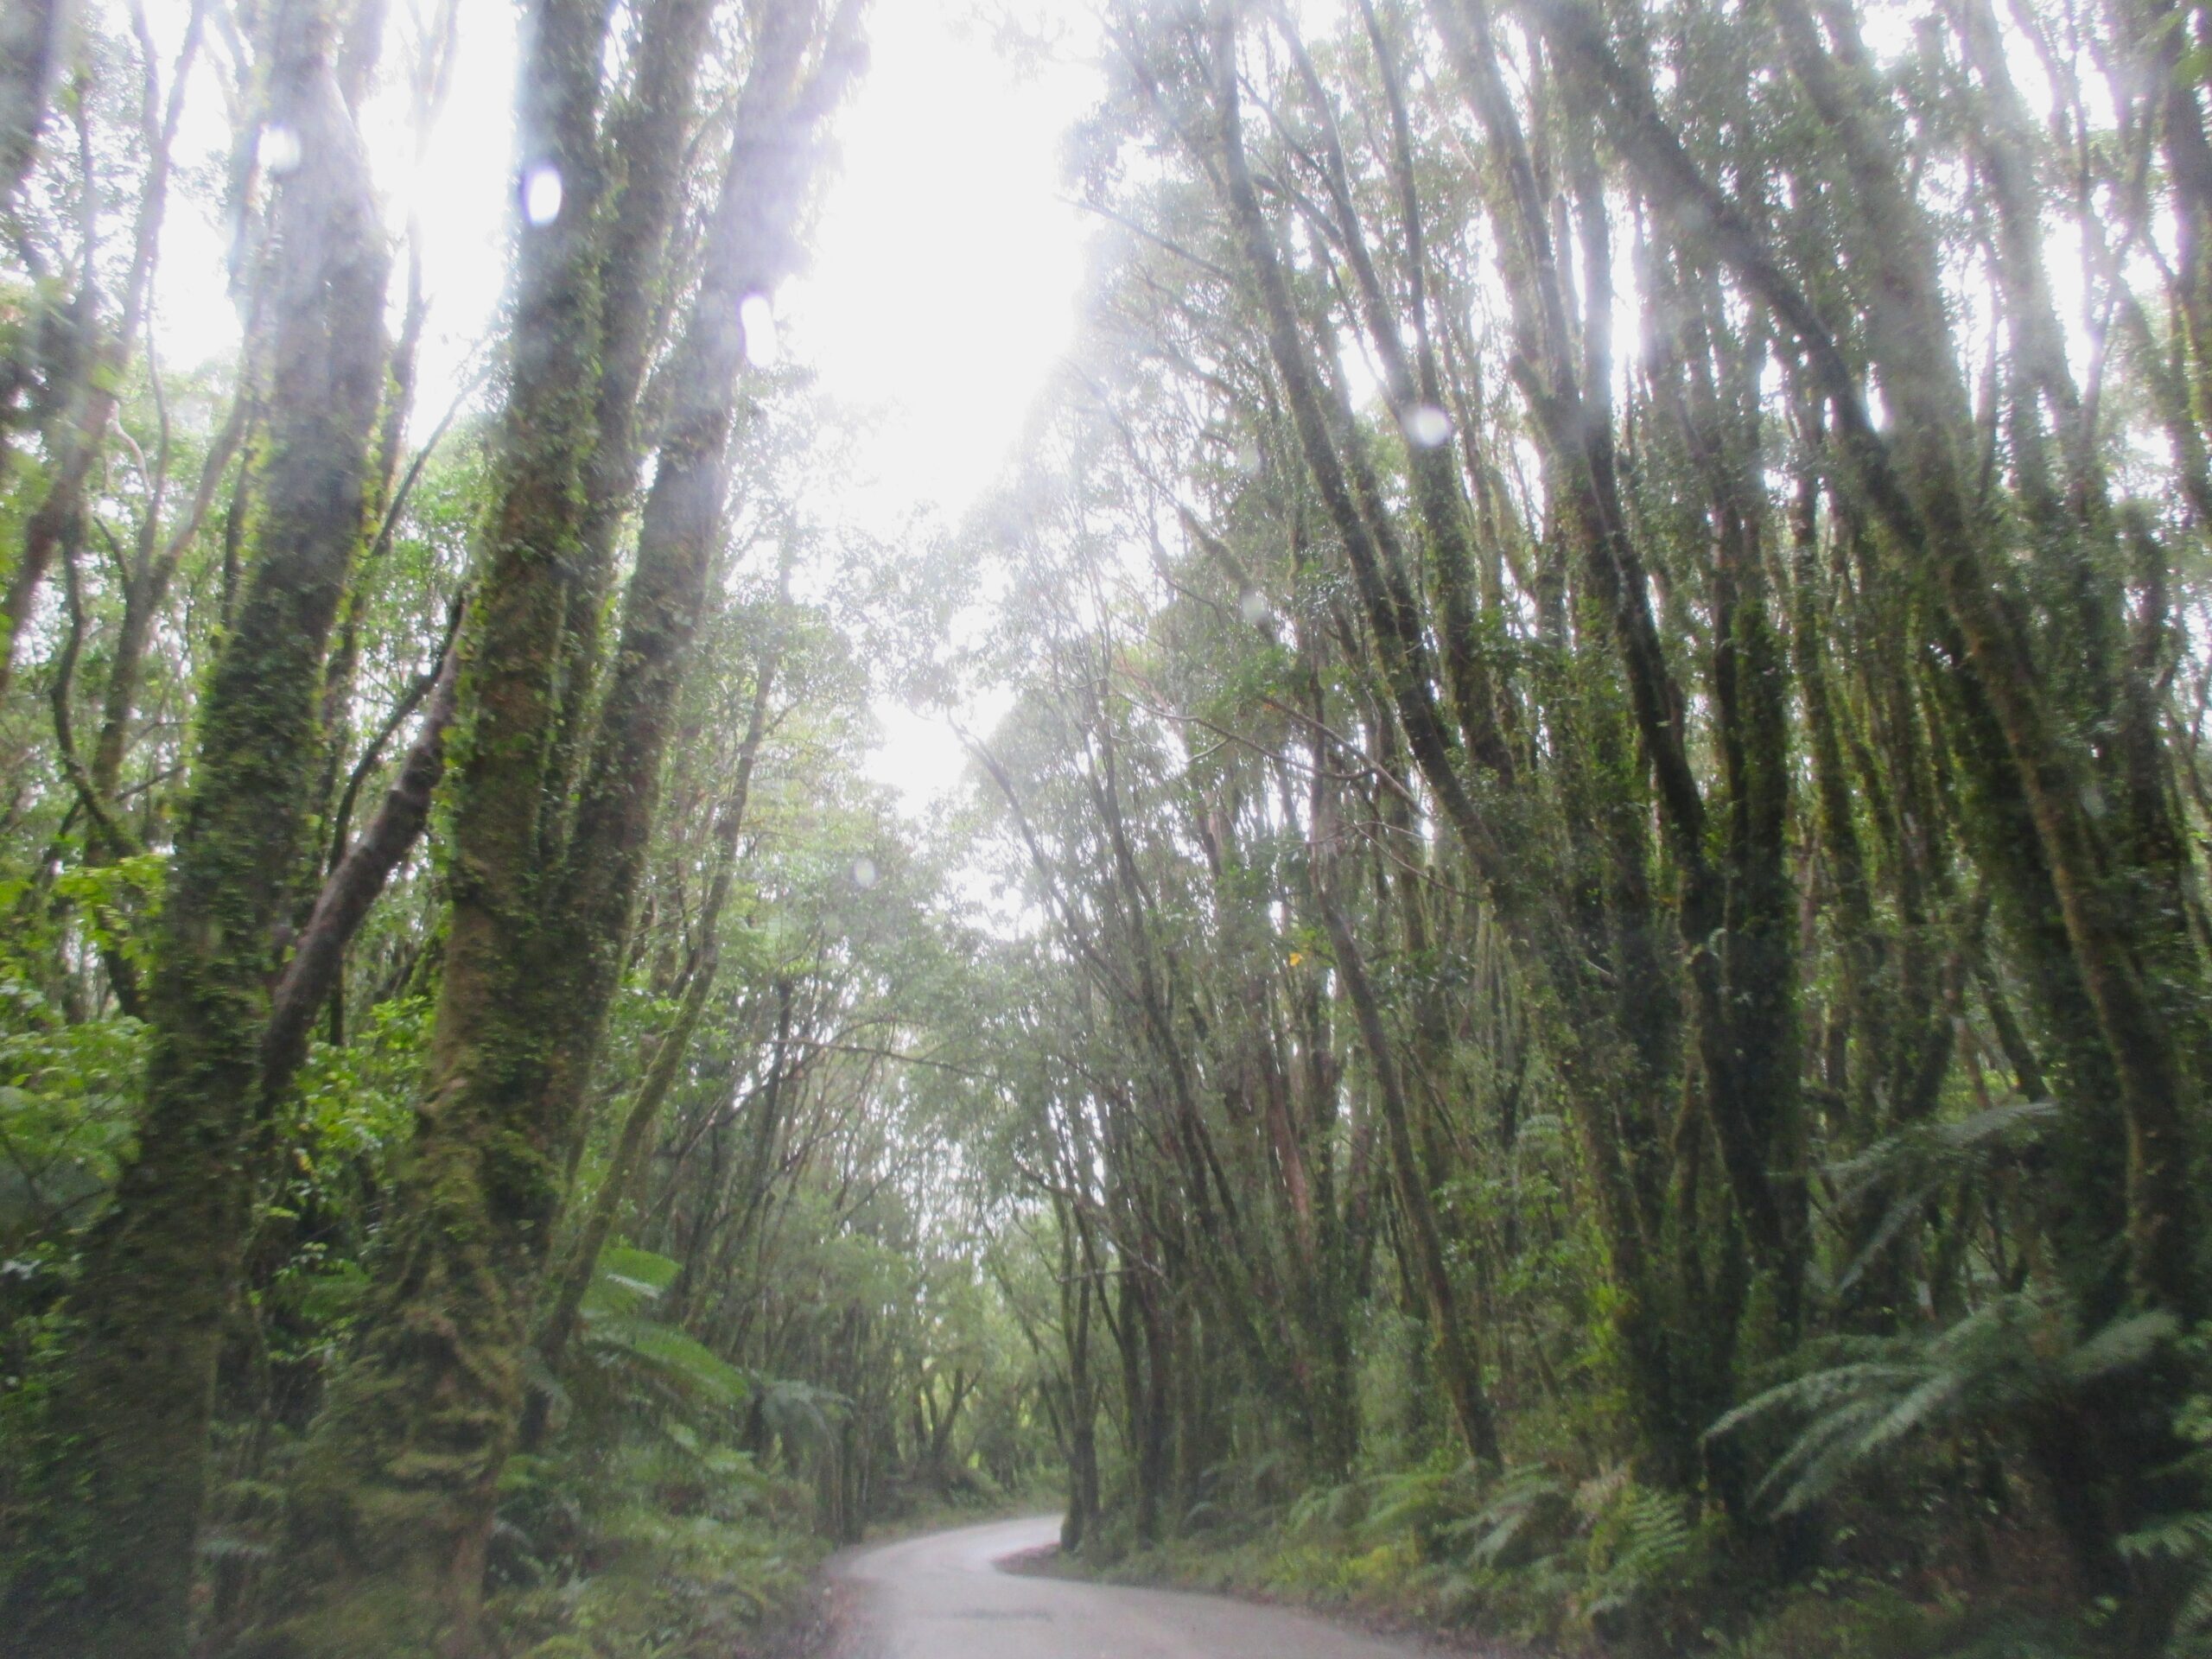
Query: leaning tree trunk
x,y
1459,1356
133,1404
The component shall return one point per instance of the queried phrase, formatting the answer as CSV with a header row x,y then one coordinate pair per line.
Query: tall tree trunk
x,y
360,874
133,1406
385,1550
1457,1355
574,1282
393,1508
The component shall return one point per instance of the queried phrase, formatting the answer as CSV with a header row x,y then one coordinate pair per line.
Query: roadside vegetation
x,y
1565,995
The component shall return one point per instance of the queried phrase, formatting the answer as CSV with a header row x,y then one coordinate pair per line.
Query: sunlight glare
x,y
946,263
278,149
758,320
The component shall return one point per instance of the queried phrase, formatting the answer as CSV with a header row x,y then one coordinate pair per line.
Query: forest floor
x,y
805,1627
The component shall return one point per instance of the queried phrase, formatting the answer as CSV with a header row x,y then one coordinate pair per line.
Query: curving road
x,y
943,1596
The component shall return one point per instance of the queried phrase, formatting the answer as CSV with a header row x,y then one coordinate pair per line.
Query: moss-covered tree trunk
x,y
392,1506
383,1553
1459,1356
114,1555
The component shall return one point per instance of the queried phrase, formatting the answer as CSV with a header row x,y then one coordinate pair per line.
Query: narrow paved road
x,y
943,1596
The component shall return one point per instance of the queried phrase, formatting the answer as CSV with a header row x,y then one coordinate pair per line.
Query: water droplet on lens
x,y
541,193
1426,426
1248,458
758,322
863,873
279,149
1253,607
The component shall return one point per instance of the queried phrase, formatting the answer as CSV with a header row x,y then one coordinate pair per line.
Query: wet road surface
x,y
942,1596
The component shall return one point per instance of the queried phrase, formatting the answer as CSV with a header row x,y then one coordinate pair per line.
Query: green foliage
x,y
2182,1543
316,1215
1867,1621
802,1415
66,1093
1534,1556
644,1529
1761,1028
1529,1554
657,1549
117,901
1910,1169
1873,1395
1643,1549
642,1356
356,1102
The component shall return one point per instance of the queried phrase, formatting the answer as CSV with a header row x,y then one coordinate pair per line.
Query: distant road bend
x,y
943,1596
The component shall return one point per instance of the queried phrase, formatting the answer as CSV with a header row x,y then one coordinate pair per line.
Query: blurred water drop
x,y
541,193
863,874
1426,426
278,149
1253,606
1248,458
759,321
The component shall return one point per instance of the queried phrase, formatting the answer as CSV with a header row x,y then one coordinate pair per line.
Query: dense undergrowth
x,y
1608,1567
1894,1516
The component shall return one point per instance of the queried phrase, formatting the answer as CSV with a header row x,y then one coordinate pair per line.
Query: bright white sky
x,y
941,291
943,286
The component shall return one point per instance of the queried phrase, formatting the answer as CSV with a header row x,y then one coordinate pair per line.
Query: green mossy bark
x,y
389,1506
115,1557
392,1505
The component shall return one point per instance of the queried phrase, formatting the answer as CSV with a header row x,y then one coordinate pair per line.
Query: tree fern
x,y
1642,1544
619,1331
1916,1165
2186,1537
2017,1351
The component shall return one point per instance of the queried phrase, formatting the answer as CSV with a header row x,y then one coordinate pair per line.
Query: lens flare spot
x,y
541,193
1426,426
